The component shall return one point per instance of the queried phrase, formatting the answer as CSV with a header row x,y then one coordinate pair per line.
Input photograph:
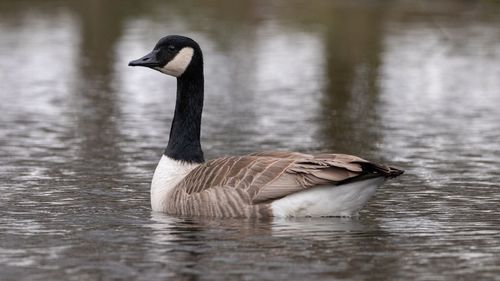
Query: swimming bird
x,y
262,184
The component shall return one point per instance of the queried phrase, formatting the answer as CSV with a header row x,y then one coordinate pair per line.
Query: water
x,y
414,84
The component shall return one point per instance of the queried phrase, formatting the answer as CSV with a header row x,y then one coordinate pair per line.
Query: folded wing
x,y
267,176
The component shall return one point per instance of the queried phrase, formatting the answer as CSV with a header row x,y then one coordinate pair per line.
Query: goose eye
x,y
171,48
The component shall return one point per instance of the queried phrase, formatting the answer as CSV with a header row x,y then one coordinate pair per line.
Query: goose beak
x,y
148,60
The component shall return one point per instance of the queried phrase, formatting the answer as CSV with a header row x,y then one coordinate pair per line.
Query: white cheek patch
x,y
179,63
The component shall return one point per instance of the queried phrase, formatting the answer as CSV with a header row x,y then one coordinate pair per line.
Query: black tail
x,y
383,170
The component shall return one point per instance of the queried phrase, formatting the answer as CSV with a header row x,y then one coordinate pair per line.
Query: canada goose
x,y
263,184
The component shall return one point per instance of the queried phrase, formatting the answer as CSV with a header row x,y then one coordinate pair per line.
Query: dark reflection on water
x,y
412,83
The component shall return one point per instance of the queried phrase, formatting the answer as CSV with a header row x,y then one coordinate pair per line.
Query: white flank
x,y
168,174
179,63
342,200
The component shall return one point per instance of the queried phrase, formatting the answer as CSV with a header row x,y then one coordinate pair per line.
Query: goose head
x,y
173,55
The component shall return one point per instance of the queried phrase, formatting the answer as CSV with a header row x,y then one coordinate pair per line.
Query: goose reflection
x,y
192,247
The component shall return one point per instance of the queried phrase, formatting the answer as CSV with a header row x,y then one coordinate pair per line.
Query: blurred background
x,y
411,83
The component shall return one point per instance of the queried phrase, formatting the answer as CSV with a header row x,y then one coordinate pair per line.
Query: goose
x,y
257,185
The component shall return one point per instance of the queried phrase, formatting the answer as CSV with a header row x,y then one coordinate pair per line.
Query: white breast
x,y
168,174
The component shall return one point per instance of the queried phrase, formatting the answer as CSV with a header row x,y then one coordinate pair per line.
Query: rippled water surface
x,y
412,83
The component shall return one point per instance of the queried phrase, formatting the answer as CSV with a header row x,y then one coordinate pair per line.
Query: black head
x,y
173,55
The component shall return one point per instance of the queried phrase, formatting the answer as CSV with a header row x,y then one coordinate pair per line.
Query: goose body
x,y
264,184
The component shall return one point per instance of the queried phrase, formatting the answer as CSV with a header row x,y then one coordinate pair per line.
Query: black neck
x,y
184,142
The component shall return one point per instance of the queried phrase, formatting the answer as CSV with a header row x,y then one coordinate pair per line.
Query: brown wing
x,y
268,176
243,172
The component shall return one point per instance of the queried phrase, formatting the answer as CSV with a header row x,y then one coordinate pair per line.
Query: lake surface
x,y
412,83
